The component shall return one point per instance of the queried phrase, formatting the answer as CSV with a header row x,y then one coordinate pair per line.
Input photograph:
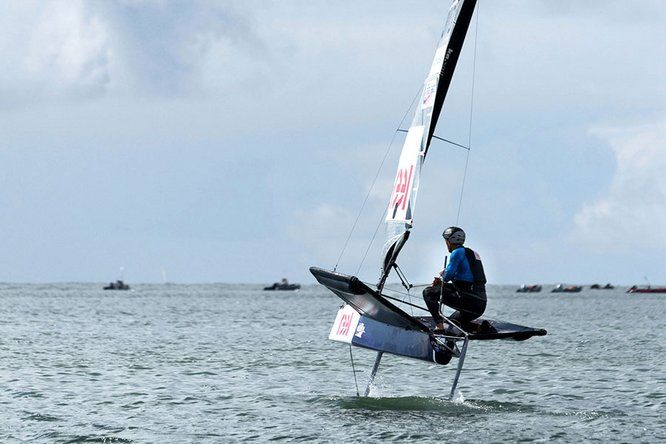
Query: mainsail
x,y
400,212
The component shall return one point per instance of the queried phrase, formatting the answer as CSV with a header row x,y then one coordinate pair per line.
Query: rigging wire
x,y
372,186
471,113
440,138
396,299
381,219
404,302
381,216
351,355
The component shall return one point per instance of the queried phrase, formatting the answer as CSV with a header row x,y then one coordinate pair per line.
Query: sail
x,y
400,212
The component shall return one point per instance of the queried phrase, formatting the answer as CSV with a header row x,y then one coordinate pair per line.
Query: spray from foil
x,y
458,398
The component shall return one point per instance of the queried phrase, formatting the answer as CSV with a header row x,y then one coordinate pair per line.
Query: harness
x,y
475,266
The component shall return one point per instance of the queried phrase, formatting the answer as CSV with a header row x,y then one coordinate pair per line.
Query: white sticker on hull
x,y
345,325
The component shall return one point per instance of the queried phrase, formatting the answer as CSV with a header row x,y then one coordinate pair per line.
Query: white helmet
x,y
454,235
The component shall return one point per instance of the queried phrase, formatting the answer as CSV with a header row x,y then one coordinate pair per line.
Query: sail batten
x,y
400,212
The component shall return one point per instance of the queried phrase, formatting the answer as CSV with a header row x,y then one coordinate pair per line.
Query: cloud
x,y
152,99
322,229
614,10
74,49
53,49
164,47
633,211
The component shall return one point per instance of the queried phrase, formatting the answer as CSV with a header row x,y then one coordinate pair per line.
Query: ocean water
x,y
231,363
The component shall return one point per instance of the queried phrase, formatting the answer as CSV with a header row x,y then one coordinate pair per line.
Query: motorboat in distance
x,y
118,285
283,285
636,289
559,288
599,287
529,289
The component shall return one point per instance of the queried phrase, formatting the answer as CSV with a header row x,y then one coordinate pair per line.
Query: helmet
x,y
455,235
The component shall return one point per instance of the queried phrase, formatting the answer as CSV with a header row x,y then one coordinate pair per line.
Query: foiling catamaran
x,y
368,318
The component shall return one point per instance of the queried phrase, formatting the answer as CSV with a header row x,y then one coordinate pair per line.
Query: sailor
x,y
461,286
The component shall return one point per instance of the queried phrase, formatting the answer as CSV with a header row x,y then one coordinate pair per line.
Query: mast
x,y
400,211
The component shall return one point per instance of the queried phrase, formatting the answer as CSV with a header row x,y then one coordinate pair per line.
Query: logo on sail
x,y
403,193
403,181
429,91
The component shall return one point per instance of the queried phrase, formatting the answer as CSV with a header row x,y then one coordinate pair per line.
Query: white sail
x,y
400,213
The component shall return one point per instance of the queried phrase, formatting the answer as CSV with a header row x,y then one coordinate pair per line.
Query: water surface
x,y
230,363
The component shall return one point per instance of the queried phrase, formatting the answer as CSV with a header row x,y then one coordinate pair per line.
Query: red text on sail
x,y
403,183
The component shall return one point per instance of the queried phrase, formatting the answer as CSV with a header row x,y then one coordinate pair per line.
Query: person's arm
x,y
454,264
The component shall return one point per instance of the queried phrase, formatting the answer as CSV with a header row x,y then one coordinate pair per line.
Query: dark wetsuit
x,y
467,291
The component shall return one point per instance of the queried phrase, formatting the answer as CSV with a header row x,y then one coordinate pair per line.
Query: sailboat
x,y
369,319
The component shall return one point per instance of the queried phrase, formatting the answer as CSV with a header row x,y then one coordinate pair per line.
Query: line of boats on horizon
x,y
561,288
284,285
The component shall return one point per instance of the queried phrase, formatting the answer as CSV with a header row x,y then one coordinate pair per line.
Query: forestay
x,y
400,212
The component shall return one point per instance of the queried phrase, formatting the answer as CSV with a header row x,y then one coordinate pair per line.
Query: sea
x,y
222,363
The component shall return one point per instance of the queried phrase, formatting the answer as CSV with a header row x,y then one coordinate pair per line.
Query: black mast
x,y
450,60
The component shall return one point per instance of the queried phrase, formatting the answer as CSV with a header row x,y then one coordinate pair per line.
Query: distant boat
x,y
599,287
118,285
529,289
283,285
636,289
559,288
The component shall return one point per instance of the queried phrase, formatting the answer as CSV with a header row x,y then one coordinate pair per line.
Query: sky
x,y
235,141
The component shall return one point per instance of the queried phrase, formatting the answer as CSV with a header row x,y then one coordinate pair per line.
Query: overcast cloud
x,y
628,213
235,141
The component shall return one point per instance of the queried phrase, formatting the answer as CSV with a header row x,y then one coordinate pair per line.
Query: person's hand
x,y
436,282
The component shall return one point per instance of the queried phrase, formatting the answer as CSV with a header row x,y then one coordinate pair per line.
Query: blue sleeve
x,y
455,262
